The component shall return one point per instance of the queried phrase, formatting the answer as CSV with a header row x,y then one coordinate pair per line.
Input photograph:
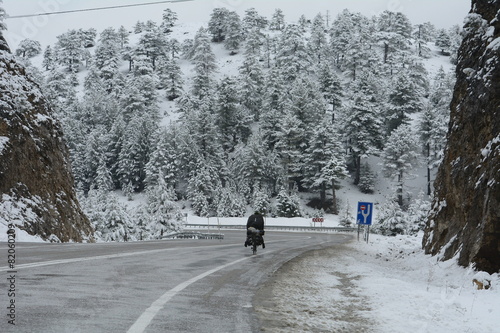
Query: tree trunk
x,y
335,208
400,189
428,170
323,195
357,166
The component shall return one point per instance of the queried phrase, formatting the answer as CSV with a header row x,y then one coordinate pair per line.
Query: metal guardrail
x,y
273,227
193,235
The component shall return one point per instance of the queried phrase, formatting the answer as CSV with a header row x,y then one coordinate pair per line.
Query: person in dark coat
x,y
256,220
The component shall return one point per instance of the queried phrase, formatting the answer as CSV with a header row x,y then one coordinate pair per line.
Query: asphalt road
x,y
156,286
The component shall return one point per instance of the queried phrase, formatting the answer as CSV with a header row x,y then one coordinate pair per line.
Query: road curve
x,y
155,286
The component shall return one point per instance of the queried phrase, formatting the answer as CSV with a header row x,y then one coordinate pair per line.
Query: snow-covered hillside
x,y
267,118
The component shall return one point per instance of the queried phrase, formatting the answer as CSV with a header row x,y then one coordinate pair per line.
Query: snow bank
x,y
387,285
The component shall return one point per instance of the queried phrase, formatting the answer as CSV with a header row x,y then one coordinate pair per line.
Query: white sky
x,y
442,13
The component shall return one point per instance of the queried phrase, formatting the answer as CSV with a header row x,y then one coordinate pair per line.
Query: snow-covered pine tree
x,y
3,26
117,221
403,100
254,165
134,152
233,124
292,57
164,159
323,162
123,36
103,180
443,41
361,124
346,217
273,107
343,27
287,204
400,156
28,48
417,215
217,24
278,20
153,44
234,35
139,27
366,179
70,49
201,187
261,200
318,42
433,124
169,18
330,87
391,220
170,77
204,65
393,32
252,78
289,148
253,21
49,58
164,213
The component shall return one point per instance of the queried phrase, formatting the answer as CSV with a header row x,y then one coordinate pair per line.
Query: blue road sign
x,y
365,213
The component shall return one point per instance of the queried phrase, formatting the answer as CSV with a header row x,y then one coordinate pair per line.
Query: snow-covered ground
x,y
386,285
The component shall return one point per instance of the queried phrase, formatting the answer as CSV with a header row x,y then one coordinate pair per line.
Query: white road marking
x,y
145,319
68,261
107,256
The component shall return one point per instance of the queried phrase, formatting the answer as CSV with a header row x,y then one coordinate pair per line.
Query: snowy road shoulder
x,y
388,285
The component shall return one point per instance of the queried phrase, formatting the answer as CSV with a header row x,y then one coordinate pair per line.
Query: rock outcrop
x,y
36,185
465,219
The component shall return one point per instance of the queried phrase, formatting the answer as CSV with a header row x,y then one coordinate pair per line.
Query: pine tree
x,y
366,179
232,123
153,45
443,41
164,159
70,49
391,220
116,221
287,205
292,57
123,36
253,21
394,32
170,77
400,156
324,163
274,103
362,126
217,24
103,180
28,48
204,65
346,217
277,21
330,87
168,20
49,58
318,42
289,148
233,32
164,213
404,100
252,76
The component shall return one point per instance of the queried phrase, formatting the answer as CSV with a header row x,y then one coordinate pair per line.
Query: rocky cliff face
x,y
465,220
36,185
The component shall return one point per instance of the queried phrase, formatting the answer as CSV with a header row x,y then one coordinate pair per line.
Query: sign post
x,y
364,217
